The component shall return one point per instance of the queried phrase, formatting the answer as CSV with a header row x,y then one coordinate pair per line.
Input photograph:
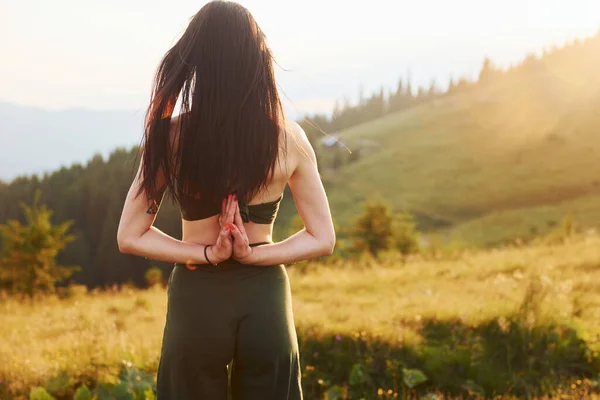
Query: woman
x,y
226,159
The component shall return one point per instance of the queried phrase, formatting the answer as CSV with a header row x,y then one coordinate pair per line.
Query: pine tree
x,y
487,73
361,95
396,98
109,262
451,86
408,94
462,85
432,92
336,109
400,88
28,258
421,94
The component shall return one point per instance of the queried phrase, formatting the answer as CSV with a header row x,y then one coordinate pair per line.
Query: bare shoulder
x,y
299,146
295,131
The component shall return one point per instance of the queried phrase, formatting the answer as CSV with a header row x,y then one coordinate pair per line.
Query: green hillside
x,y
507,158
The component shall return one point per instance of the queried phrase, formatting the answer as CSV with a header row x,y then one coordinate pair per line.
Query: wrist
x,y
249,258
212,257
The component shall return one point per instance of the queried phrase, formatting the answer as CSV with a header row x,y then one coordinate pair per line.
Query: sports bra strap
x,y
263,213
259,244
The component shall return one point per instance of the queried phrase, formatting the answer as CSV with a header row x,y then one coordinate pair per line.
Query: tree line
x,y
91,196
380,103
345,114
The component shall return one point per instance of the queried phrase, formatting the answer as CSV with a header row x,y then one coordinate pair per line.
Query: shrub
x,y
405,235
154,277
566,230
372,230
377,229
142,302
71,291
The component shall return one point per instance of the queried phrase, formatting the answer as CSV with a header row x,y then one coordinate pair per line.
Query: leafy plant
x,y
154,276
83,393
39,393
413,377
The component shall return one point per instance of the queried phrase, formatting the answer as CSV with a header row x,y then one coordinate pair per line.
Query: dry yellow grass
x,y
390,298
90,335
86,336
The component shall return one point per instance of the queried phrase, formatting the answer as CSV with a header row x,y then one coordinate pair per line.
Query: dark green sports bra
x,y
193,209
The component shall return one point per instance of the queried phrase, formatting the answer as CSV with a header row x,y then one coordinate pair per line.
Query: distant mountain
x,y
34,140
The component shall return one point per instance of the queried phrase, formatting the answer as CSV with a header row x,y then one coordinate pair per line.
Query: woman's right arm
x,y
317,238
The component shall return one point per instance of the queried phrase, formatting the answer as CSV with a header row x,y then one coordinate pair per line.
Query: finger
x,y
225,208
238,221
224,236
238,238
228,209
231,211
241,240
224,242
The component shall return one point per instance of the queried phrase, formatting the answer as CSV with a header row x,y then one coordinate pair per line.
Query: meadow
x,y
501,301
522,321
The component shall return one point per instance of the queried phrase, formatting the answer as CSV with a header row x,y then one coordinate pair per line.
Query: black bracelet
x,y
206,256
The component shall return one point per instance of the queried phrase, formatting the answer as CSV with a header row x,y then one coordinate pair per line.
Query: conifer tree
x,y
28,258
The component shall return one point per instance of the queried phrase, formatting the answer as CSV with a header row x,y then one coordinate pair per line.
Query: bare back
x,y
206,230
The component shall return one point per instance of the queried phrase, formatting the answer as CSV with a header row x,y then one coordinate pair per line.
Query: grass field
x,y
88,336
508,160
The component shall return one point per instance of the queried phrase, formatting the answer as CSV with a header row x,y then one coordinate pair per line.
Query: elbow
x,y
125,244
327,246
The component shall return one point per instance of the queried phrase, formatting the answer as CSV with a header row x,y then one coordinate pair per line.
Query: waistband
x,y
228,264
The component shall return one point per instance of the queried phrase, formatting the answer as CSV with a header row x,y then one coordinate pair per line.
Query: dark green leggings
x,y
229,312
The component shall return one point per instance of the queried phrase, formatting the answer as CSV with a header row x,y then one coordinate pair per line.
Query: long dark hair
x,y
231,116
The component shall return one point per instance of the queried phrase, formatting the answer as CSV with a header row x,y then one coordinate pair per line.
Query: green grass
x,y
527,223
525,145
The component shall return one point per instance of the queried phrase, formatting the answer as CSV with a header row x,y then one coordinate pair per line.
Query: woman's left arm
x,y
137,235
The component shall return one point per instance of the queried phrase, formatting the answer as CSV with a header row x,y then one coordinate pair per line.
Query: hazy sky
x,y
83,53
